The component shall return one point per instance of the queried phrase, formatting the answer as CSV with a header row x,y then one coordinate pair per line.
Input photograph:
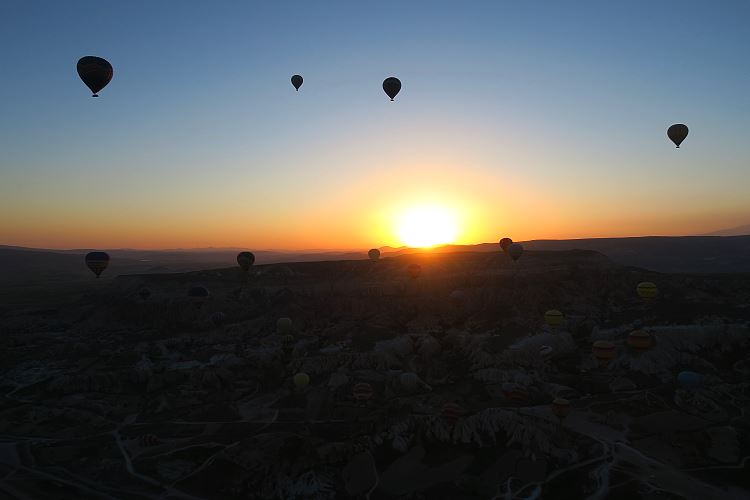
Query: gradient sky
x,y
530,119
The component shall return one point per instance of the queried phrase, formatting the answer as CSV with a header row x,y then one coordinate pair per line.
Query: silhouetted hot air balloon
x,y
677,133
95,72
391,86
690,380
283,326
301,380
561,408
604,351
640,340
97,262
414,271
553,317
245,260
362,392
297,81
199,292
374,254
144,293
505,243
515,250
647,290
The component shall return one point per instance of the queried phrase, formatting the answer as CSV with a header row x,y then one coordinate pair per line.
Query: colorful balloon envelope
x,y
245,260
640,340
97,262
392,86
505,243
604,351
362,391
677,133
95,72
647,290
553,317
374,254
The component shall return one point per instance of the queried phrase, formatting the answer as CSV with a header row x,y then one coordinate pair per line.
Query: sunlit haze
x,y
200,139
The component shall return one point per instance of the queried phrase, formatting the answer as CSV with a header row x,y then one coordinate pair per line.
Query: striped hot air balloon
x,y
452,412
362,392
647,290
640,340
604,351
97,262
561,408
554,318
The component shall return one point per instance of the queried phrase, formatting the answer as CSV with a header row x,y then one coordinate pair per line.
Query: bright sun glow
x,y
427,226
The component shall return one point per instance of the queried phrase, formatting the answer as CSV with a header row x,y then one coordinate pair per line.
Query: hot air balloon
x,y
553,317
647,290
515,250
561,408
301,380
690,380
604,351
95,72
374,254
218,318
144,293
414,271
97,262
362,392
245,260
409,380
640,340
283,326
452,412
391,86
200,292
297,81
677,133
505,243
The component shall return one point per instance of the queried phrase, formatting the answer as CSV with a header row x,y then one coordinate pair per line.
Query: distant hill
x,y
734,231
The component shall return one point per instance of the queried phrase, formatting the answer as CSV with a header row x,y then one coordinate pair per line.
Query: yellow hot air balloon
x,y
640,340
553,317
647,290
301,380
604,351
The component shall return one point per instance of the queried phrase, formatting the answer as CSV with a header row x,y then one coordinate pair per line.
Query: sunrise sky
x,y
528,119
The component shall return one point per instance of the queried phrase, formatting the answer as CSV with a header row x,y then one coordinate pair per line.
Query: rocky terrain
x,y
353,379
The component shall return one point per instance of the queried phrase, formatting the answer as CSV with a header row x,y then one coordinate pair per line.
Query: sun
x,y
426,226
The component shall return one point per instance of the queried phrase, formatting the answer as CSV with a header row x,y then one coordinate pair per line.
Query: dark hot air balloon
x,y
95,72
245,260
374,254
505,243
515,250
297,81
391,86
97,262
677,133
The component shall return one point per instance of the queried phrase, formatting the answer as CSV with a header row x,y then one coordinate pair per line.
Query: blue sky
x,y
559,110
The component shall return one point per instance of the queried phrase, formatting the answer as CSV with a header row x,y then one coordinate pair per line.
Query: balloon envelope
x,y
374,254
297,81
245,260
647,290
677,133
95,72
553,317
515,250
505,243
391,86
97,262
